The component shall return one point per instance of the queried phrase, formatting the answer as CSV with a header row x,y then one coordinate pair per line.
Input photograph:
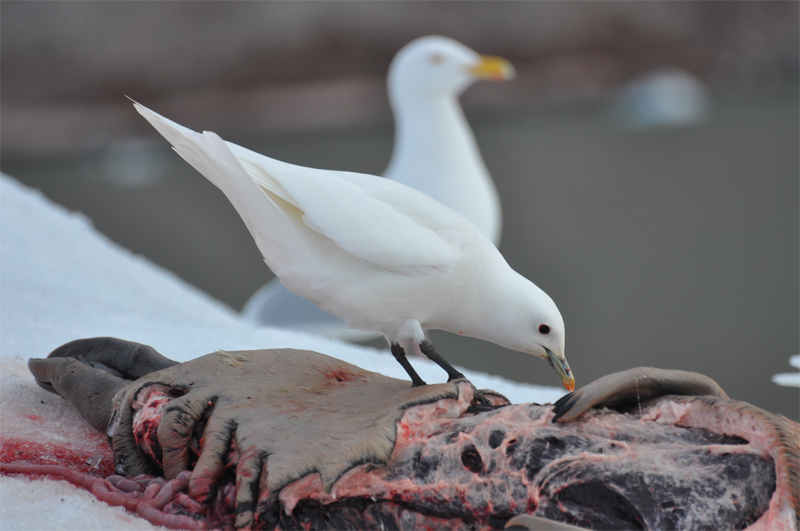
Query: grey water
x,y
673,247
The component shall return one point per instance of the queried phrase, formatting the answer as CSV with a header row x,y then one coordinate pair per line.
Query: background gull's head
x,y
435,66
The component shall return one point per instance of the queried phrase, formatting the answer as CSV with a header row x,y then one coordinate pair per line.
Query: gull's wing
x,y
396,235
209,155
383,222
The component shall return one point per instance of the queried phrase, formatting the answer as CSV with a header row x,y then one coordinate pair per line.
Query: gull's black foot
x,y
487,400
400,355
481,403
482,400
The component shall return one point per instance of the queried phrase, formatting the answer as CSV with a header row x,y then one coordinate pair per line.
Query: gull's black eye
x,y
544,329
436,58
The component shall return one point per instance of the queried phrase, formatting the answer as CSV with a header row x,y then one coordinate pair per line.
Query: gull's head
x,y
537,328
435,65
548,341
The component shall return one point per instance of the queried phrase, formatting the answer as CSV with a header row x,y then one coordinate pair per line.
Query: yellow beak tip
x,y
493,68
569,385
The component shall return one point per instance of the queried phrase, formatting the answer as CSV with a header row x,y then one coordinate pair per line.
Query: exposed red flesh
x,y
149,406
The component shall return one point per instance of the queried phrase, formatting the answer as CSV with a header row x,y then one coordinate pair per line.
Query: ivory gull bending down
x,y
376,253
434,152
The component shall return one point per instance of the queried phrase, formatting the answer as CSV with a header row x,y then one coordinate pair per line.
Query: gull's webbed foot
x,y
487,400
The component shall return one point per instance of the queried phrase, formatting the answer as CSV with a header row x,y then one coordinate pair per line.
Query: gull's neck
x,y
436,153
499,306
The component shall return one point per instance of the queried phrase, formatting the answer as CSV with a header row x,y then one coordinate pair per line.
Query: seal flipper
x,y
124,359
632,387
89,389
89,372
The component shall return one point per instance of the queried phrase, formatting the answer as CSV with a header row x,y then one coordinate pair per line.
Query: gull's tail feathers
x,y
265,207
207,153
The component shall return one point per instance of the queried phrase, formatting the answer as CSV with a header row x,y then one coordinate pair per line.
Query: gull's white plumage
x,y
434,152
376,253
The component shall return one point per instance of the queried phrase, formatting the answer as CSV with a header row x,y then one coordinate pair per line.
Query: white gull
x,y
378,254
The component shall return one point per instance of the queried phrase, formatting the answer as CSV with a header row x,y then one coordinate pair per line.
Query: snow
x,y
61,280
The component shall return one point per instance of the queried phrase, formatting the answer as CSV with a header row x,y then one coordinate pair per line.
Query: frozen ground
x,y
61,280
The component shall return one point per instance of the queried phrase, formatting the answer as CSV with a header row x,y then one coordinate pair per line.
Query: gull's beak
x,y
494,68
562,369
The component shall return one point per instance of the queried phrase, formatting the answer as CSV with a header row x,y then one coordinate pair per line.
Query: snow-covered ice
x,y
61,280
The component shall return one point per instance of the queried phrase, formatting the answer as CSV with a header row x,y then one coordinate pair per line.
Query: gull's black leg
x,y
452,374
434,356
400,355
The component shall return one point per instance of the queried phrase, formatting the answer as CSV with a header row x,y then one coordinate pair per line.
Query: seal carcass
x,y
318,458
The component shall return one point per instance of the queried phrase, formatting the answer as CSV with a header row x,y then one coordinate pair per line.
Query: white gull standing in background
x,y
434,152
376,253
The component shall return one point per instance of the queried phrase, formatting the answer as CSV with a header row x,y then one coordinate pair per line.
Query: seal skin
x,y
289,413
304,453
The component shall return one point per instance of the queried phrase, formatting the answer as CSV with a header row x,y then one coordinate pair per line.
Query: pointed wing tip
x,y
141,109
144,111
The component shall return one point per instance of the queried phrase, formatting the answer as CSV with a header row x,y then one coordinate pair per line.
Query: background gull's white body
x,y
435,150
